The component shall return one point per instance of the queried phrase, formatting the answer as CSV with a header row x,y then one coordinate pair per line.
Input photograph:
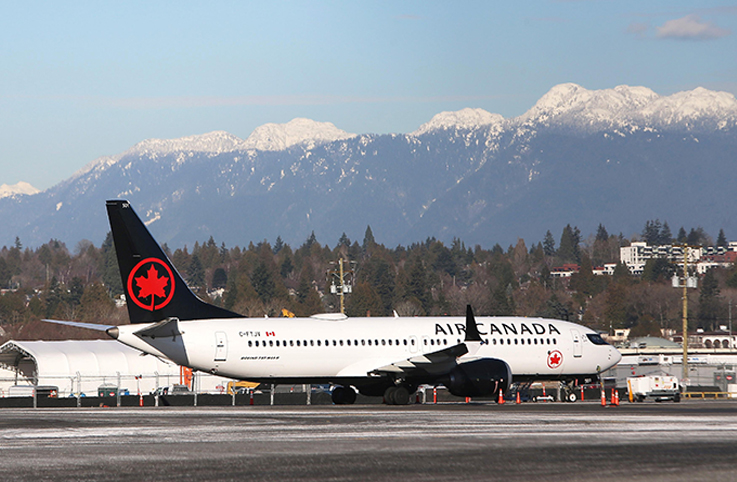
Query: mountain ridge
x,y
469,174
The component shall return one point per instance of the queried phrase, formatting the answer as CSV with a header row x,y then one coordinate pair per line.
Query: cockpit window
x,y
596,339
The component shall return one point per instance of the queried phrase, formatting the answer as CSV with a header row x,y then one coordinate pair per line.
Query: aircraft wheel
x,y
677,397
400,396
571,397
343,396
389,395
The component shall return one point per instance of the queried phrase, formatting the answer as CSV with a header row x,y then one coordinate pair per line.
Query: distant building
x,y
565,271
638,253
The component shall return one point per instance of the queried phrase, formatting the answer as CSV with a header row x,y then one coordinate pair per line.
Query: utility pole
x,y
687,283
343,286
685,314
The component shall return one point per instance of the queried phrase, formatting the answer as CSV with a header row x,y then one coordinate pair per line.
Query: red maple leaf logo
x,y
554,359
151,285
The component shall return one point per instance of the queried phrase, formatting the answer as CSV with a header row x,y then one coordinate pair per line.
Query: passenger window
x,y
312,342
369,342
341,342
555,341
277,342
271,342
522,341
383,342
348,342
297,342
363,342
390,342
515,341
432,342
547,340
494,341
249,343
335,343
405,342
412,341
425,340
318,342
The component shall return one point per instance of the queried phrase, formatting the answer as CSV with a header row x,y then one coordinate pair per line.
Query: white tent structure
x,y
85,365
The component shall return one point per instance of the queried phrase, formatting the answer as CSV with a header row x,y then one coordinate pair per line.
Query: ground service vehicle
x,y
658,387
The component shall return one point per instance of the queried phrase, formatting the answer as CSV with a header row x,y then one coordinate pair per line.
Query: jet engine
x,y
479,378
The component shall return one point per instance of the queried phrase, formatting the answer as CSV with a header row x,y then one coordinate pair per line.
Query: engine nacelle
x,y
479,378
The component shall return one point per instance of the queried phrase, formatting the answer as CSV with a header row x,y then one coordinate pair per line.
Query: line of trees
x,y
425,278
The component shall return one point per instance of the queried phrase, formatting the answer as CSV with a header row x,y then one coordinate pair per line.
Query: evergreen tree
x,y
722,239
651,232
343,241
219,278
110,270
682,236
278,245
364,301
549,244
666,237
263,282
569,250
658,269
195,272
368,239
601,233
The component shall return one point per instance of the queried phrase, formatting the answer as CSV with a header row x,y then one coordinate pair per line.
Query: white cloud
x,y
691,27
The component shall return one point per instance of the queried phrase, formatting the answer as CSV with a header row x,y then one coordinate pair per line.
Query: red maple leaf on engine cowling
x,y
151,285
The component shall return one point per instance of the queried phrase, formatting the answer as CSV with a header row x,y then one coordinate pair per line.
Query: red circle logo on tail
x,y
154,282
555,359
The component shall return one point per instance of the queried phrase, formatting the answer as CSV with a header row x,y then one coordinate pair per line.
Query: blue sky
x,y
79,80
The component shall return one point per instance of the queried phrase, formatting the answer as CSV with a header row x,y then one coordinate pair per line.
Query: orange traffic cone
x,y
545,396
582,393
518,400
140,399
615,397
501,397
603,397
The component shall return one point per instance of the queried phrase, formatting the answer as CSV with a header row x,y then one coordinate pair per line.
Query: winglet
x,y
472,331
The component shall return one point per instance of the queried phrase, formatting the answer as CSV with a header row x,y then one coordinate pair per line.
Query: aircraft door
x,y
221,346
413,345
577,349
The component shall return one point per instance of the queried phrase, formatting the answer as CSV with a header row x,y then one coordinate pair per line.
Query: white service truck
x,y
657,387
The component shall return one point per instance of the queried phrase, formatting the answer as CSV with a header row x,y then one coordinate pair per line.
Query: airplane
x,y
387,357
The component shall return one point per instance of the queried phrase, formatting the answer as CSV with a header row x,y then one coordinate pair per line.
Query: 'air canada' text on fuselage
x,y
494,328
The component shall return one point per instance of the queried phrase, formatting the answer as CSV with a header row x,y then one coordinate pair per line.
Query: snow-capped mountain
x,y
20,189
613,156
305,132
463,119
572,106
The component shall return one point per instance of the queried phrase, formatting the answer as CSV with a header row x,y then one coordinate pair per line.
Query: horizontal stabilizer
x,y
89,326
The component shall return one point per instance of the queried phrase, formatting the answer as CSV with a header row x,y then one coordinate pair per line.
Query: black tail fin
x,y
154,290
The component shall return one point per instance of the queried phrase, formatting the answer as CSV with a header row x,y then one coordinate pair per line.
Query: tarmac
x,y
691,440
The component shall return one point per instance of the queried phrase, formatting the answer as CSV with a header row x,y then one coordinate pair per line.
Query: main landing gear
x,y
343,396
396,395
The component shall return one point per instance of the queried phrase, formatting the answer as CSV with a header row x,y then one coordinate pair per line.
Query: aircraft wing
x,y
434,363
437,362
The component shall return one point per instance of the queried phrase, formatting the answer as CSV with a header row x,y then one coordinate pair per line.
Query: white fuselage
x,y
325,348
